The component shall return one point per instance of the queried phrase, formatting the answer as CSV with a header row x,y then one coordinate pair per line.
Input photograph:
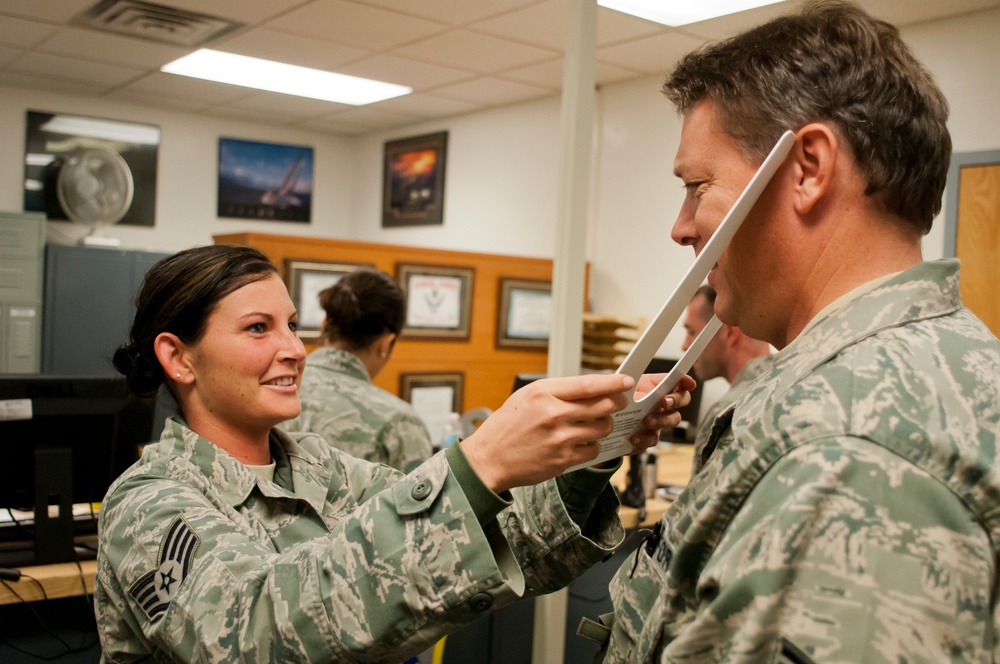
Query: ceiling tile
x,y
7,54
550,74
295,50
452,12
475,52
54,11
370,118
492,91
342,22
186,87
544,24
333,125
250,12
98,46
417,75
23,33
651,55
294,107
74,69
35,82
427,106
248,115
156,101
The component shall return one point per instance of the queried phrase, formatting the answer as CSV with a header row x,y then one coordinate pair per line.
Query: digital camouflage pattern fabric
x,y
340,403
755,367
337,560
852,511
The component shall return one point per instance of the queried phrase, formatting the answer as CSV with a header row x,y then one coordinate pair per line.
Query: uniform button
x,y
481,601
421,490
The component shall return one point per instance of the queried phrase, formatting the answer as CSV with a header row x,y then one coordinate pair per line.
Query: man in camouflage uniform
x,y
334,560
340,403
851,510
731,355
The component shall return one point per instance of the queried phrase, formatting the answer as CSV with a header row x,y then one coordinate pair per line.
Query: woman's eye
x,y
257,328
293,325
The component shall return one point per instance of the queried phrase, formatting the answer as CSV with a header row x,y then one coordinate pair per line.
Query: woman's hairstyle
x,y
361,307
830,62
177,295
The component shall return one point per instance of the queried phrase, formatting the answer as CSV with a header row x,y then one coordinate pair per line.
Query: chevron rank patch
x,y
154,590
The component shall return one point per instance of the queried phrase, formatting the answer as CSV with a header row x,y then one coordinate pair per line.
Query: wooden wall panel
x,y
978,241
489,372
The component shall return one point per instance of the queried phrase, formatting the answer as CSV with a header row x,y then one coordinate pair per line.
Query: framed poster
x,y
434,396
51,137
305,280
438,300
265,181
413,180
524,314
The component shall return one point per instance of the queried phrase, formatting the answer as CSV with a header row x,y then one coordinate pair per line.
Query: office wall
x,y
187,171
503,170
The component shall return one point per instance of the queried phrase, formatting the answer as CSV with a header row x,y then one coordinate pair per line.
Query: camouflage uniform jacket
x,y
750,371
337,560
854,514
340,403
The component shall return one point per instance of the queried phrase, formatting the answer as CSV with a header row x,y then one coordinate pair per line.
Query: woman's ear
x,y
172,354
815,153
386,343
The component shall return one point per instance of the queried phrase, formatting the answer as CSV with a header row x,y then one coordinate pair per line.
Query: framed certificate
x,y
438,301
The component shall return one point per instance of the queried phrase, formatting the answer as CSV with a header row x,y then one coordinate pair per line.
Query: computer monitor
x,y
65,440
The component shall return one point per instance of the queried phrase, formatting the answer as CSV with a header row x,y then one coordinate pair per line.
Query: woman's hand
x,y
544,428
554,424
665,415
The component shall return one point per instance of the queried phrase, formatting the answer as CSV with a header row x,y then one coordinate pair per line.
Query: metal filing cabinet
x,y
22,237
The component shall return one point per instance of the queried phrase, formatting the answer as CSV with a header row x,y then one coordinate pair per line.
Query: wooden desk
x,y
673,467
58,580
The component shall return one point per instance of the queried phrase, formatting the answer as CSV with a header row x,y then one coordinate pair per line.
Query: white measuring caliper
x,y
629,420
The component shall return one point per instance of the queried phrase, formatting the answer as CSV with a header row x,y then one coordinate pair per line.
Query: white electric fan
x,y
95,188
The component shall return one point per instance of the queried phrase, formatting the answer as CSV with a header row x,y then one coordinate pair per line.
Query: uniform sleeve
x,y
406,441
392,575
845,552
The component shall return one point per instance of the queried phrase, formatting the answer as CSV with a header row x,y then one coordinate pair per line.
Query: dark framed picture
x,y
438,300
413,181
51,138
434,396
305,280
524,314
265,181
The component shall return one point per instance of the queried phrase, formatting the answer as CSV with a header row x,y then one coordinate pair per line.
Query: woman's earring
x,y
178,375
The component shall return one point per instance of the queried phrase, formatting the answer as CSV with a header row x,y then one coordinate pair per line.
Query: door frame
x,y
958,161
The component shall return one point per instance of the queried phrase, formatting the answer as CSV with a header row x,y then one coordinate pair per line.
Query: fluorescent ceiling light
x,y
286,79
682,12
106,129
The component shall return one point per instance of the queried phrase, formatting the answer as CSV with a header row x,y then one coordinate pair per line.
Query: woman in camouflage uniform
x,y
231,540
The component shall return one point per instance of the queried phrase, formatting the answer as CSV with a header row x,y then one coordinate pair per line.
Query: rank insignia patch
x,y
154,590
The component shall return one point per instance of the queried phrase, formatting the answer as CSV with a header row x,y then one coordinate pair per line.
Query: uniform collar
x,y
927,290
234,481
340,361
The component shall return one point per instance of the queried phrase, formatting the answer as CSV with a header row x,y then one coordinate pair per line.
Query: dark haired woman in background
x,y
231,540
365,312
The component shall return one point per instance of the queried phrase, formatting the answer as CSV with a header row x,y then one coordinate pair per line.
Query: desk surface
x,y
673,467
58,580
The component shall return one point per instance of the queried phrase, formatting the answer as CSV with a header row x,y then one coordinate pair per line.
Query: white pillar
x,y
568,270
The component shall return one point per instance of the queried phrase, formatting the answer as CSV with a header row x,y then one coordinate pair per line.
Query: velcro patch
x,y
154,590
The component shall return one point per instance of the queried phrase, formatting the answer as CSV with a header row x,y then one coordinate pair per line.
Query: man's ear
x,y
815,154
172,354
